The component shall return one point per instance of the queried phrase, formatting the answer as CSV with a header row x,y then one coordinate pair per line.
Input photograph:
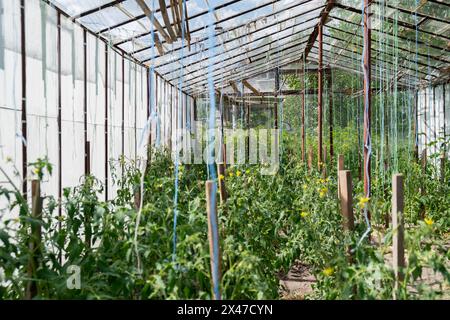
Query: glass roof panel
x,y
252,36
75,7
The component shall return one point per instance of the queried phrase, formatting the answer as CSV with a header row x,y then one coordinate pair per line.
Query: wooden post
x,y
310,159
324,167
398,250
320,99
340,167
34,244
345,181
422,187
137,198
222,189
213,237
442,163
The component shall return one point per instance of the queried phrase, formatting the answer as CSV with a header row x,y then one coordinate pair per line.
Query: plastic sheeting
x,y
117,99
433,120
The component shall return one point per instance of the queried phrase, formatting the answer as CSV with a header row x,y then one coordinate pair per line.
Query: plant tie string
x,y
367,142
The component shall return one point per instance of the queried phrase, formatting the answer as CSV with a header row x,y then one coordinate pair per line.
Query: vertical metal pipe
x,y
135,111
367,97
248,132
24,96
106,123
195,110
87,167
330,107
148,106
303,124
277,88
320,100
123,111
58,24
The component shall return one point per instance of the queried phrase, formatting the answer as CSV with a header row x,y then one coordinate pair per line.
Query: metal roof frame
x,y
438,60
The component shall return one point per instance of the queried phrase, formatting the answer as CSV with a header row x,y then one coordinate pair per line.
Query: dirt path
x,y
297,283
299,280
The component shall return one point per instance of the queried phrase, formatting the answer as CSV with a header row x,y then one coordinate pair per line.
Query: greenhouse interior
x,y
225,149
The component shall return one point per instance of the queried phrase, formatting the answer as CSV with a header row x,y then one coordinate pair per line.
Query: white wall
x,y
433,118
42,101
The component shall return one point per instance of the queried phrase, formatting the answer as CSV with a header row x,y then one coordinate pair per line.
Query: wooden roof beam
x,y
322,20
153,20
251,88
235,88
165,16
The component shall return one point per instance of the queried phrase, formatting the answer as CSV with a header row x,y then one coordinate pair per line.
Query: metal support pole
x,y
106,123
123,113
320,99
87,167
277,88
24,96
330,107
303,125
367,97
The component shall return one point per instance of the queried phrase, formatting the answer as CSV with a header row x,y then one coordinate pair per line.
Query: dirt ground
x,y
297,283
299,280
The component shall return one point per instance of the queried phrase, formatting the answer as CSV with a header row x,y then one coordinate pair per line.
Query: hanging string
x,y
416,138
178,126
395,96
367,142
210,164
147,128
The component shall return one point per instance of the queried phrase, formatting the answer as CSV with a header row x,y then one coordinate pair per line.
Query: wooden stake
x,y
340,167
222,189
213,236
310,159
443,160
34,243
345,180
137,198
422,187
398,250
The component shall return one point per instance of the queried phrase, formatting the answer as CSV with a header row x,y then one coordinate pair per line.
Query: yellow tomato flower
x,y
221,177
238,173
428,221
323,192
328,271
304,214
305,187
231,174
362,202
